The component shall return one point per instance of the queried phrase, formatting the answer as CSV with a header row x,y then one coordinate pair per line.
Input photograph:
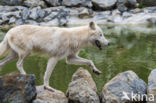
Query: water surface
x,y
132,48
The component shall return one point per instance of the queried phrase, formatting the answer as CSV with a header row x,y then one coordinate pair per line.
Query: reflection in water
x,y
132,48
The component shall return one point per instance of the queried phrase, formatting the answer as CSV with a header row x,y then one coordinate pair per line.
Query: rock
x,y
126,14
41,13
146,16
19,22
9,17
148,2
85,13
102,15
116,12
124,5
34,3
149,9
25,14
51,16
32,22
137,10
12,20
36,13
72,3
11,2
104,4
152,20
121,88
17,88
152,86
82,88
53,2
62,17
45,96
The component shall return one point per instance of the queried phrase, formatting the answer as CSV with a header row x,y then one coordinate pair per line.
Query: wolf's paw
x,y
97,72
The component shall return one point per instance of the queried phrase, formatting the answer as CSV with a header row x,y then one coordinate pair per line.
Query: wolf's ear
x,y
92,25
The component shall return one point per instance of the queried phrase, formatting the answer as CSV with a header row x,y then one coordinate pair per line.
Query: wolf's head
x,y
96,36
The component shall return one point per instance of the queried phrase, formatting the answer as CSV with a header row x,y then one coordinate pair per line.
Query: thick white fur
x,y
57,42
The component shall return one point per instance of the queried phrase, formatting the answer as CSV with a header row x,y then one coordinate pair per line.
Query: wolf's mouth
x,y
98,44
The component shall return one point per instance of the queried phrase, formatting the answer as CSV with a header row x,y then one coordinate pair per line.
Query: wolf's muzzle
x,y
98,44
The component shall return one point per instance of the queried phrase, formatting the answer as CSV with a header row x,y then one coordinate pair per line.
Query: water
x,y
132,48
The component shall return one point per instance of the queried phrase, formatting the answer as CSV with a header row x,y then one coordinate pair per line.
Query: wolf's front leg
x,y
73,59
50,67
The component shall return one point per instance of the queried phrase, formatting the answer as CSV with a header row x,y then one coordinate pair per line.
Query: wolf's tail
x,y
4,46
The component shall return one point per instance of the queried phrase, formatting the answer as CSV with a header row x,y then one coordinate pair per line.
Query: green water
x,y
132,48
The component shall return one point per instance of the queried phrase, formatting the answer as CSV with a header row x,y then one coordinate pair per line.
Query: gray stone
x,y
104,4
121,87
25,14
19,22
137,10
17,88
53,2
149,9
45,96
51,16
152,86
126,14
82,88
12,20
10,14
148,2
152,20
116,12
72,3
62,17
85,13
34,3
31,22
41,13
11,2
34,13
124,5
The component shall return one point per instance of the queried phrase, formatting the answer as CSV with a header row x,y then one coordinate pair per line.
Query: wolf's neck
x,y
82,37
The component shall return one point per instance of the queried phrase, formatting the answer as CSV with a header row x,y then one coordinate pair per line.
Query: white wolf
x,y
57,42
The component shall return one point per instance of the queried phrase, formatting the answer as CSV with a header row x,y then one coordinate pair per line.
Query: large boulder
x,y
72,3
82,88
104,4
17,88
123,87
152,87
148,2
46,96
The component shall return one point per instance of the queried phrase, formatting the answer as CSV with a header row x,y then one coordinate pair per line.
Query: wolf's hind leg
x,y
11,56
20,62
73,59
50,67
